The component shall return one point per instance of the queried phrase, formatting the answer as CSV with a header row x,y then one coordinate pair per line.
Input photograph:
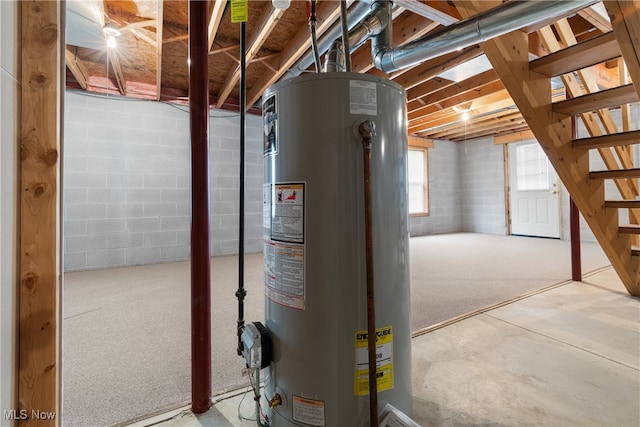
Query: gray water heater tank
x,y
314,248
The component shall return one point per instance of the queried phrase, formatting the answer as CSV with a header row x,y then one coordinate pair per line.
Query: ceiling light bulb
x,y
281,4
465,115
111,42
110,31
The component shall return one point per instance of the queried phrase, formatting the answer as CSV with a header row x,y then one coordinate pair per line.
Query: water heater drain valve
x,y
256,348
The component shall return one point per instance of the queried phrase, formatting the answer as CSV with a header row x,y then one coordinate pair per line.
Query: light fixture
x,y
281,4
111,32
465,115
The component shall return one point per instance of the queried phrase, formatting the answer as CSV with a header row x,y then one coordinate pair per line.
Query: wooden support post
x,y
39,291
200,268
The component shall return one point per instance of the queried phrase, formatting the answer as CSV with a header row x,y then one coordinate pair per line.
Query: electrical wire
x,y
257,395
241,417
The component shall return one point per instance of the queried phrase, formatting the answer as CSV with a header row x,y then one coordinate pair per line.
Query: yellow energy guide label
x,y
384,361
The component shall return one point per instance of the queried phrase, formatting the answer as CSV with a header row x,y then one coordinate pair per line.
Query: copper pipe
x,y
367,130
200,270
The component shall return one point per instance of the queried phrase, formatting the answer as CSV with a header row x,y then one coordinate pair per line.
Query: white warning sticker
x,y
308,411
363,98
284,274
287,220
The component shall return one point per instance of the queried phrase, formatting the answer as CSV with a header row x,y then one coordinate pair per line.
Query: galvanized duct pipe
x,y
372,25
357,12
500,20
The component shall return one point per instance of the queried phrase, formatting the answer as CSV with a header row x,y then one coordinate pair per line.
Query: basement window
x,y
418,182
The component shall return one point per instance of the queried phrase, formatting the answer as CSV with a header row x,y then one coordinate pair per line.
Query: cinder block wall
x,y
483,202
445,215
127,182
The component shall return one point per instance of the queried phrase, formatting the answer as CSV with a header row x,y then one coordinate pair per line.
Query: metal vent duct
x,y
500,20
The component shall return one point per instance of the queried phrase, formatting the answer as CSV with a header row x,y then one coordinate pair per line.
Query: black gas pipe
x,y
241,292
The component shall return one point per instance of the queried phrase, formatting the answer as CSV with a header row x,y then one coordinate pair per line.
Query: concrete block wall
x,y
445,213
482,190
127,182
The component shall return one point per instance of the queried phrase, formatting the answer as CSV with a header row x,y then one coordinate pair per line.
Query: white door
x,y
535,193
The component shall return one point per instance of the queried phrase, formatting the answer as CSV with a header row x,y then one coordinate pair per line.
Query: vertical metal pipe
x,y
314,39
367,131
241,292
345,35
200,269
574,225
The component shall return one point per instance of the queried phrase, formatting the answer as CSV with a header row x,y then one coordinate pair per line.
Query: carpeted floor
x,y
126,337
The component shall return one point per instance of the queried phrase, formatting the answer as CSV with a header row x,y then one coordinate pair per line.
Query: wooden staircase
x,y
552,123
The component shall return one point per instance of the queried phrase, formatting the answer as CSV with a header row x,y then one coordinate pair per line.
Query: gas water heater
x,y
314,248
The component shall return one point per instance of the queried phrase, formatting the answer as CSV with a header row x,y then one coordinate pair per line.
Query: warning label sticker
x,y
287,219
270,124
308,411
284,273
384,361
363,98
266,211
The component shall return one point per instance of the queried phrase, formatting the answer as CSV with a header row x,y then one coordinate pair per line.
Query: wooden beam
x,y
416,141
427,11
514,137
595,101
429,69
585,54
625,19
39,290
217,11
159,45
469,85
264,27
117,71
76,68
485,104
327,13
467,96
595,18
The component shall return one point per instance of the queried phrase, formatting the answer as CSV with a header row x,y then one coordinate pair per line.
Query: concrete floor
x,y
569,356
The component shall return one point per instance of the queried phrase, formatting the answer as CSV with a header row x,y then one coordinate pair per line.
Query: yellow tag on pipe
x,y
239,11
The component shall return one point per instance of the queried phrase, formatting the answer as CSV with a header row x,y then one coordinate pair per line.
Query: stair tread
x,y
590,52
622,203
610,140
616,174
629,228
607,98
